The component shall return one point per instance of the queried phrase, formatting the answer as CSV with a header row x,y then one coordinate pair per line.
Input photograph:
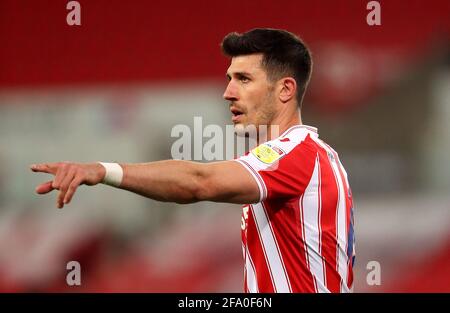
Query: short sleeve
x,y
281,169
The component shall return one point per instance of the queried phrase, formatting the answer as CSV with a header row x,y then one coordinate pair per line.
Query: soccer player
x,y
297,221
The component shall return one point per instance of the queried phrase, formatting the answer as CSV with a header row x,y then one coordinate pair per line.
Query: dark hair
x,y
284,54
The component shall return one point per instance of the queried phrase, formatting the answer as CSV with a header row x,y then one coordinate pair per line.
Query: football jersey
x,y
299,237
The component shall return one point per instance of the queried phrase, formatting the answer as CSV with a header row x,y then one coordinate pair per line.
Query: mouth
x,y
236,114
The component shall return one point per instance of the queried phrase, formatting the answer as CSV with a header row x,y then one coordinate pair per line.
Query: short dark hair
x,y
284,54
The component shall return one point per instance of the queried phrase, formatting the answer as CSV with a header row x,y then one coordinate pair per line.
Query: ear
x,y
288,89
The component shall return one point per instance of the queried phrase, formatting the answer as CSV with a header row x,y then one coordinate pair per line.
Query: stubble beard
x,y
264,117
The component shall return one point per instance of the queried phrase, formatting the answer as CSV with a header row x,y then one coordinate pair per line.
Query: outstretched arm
x,y
171,180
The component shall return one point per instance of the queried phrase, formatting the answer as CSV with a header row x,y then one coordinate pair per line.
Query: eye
x,y
244,79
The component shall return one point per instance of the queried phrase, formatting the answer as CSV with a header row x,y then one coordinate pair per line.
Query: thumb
x,y
44,188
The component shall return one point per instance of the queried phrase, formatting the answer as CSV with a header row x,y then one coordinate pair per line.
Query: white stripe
x,y
304,240
342,230
345,287
259,181
263,248
268,242
311,208
252,283
341,218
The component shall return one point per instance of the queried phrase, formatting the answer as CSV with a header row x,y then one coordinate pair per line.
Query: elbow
x,y
203,193
202,189
192,195
197,189
200,185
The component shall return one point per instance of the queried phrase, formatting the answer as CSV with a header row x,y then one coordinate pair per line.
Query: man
x,y
297,225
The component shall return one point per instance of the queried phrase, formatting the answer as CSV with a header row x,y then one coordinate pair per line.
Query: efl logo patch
x,y
267,153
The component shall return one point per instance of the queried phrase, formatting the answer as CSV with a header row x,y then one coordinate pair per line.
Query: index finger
x,y
49,168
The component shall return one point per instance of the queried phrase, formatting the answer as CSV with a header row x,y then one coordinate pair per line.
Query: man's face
x,y
251,94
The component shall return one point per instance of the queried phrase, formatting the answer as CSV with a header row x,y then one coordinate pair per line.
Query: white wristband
x,y
114,174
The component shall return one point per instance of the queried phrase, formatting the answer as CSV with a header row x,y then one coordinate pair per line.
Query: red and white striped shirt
x,y
300,236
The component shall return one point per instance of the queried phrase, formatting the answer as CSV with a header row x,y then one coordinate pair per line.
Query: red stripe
x,y
258,255
276,241
252,265
295,256
329,191
245,280
284,214
350,275
285,218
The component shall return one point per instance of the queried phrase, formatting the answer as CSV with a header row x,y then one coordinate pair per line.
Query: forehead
x,y
246,63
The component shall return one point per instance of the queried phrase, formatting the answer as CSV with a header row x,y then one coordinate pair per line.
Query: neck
x,y
281,123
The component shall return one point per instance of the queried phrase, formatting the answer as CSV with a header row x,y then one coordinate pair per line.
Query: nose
x,y
231,93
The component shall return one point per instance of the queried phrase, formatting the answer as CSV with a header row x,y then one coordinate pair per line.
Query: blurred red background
x,y
173,44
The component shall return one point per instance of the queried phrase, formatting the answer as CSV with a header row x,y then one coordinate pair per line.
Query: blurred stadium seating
x,y
113,88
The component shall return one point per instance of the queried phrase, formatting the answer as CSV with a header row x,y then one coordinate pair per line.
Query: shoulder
x,y
294,138
297,140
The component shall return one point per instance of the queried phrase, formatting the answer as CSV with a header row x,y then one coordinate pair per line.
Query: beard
x,y
264,115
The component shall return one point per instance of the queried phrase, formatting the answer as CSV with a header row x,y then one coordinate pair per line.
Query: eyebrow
x,y
247,74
